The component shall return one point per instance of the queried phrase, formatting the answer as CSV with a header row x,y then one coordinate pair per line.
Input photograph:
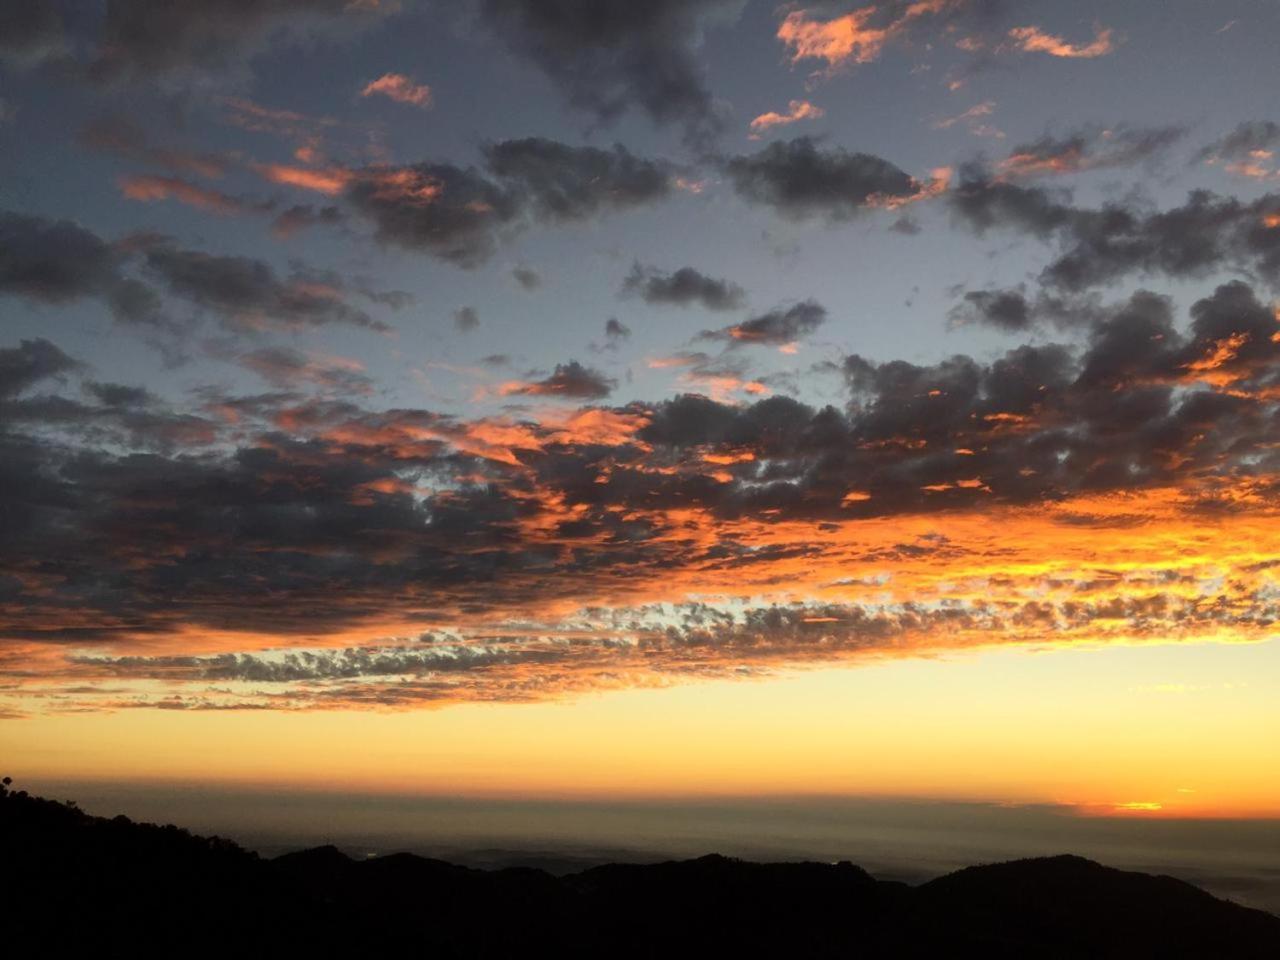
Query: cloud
x,y
124,138
398,87
1034,40
30,362
1106,244
1013,311
247,293
528,278
570,380
1090,149
58,261
975,119
683,287
608,56
856,37
567,183
1247,151
591,545
778,327
797,110
31,32
722,379
330,181
802,179
460,215
288,368
449,212
466,319
304,216
149,189
616,331
1004,309
202,42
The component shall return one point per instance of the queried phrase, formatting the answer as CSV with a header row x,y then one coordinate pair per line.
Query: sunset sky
x,y
689,398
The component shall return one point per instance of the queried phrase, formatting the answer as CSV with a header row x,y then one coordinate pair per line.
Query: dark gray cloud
x,y
683,287
461,215
778,327
607,56
1119,239
466,319
1013,311
288,368
304,216
122,137
117,414
804,178
30,362
616,333
311,665
30,31
289,514
528,278
146,39
452,213
58,261
118,395
1094,148
247,293
1243,143
570,380
1004,309
563,183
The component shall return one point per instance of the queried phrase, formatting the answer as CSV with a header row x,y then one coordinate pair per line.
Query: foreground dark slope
x,y
70,879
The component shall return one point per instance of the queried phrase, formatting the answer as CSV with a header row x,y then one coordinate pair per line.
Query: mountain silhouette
x,y
71,881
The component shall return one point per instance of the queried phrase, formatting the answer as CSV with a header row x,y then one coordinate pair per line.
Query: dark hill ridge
x,y
70,880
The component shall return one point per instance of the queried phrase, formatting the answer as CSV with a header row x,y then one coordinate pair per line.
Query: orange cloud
x,y
940,180
974,119
149,189
1034,40
851,38
330,181
796,110
404,185
837,41
398,87
1033,164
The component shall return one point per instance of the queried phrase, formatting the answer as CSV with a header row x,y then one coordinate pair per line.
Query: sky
x,y
597,401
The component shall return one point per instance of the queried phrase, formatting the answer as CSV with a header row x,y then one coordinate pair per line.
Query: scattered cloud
x,y
149,189
528,278
859,36
289,368
1102,245
200,43
1247,151
569,381
612,55
1090,149
398,87
779,327
572,541
682,287
804,178
1034,40
797,110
